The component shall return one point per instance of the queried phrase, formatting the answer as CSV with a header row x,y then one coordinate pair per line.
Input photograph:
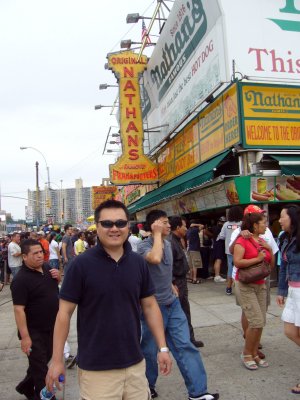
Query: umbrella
x,y
90,218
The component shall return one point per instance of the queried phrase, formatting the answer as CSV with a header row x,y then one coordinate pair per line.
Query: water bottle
x,y
59,394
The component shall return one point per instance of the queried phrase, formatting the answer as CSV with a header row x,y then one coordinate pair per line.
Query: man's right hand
x,y
55,370
157,227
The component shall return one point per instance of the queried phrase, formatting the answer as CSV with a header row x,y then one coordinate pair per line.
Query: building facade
x,y
59,206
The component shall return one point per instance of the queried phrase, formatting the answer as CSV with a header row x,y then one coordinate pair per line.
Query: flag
x,y
145,33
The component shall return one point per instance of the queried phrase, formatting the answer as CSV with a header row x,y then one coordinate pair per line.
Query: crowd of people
x,y
130,285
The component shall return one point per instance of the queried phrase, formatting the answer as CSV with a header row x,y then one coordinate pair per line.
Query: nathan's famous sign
x,y
271,115
133,166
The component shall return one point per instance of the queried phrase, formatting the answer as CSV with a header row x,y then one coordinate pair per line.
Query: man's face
x,y
166,226
69,231
17,239
112,238
33,235
35,258
182,230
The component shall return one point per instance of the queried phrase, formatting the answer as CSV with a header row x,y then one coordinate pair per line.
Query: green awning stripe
x,y
289,164
198,176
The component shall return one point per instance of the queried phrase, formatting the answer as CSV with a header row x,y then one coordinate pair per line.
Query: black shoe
x,y
197,343
154,393
206,396
29,394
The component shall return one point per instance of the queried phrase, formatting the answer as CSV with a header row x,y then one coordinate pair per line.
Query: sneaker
x,y
206,396
154,393
228,291
219,279
71,361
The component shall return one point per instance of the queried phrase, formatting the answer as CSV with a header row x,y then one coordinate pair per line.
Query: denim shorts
x,y
291,312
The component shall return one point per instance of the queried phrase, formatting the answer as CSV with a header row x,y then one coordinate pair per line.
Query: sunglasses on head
x,y
119,223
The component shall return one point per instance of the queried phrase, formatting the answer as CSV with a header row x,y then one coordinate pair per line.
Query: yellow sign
x,y
272,133
216,129
166,163
133,166
271,116
231,117
219,124
261,101
102,193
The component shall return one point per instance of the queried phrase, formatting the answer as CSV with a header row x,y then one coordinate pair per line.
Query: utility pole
x,y
37,196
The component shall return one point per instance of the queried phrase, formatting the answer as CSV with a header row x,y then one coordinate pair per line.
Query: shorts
x,y
124,383
218,252
237,292
195,259
291,312
253,300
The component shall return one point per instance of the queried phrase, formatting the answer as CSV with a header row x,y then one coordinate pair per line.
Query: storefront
x,y
243,148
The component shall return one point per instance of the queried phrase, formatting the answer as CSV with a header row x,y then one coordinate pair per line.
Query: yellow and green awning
x,y
194,178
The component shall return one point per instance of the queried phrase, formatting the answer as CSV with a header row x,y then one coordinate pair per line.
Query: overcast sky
x,y
52,62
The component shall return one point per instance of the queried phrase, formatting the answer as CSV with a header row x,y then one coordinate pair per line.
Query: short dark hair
x,y
134,229
250,219
235,214
67,226
110,204
175,221
153,216
27,244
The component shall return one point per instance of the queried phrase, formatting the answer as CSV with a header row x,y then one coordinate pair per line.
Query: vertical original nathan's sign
x,y
133,166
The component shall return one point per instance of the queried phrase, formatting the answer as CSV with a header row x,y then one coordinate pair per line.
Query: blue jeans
x,y
14,270
230,265
185,353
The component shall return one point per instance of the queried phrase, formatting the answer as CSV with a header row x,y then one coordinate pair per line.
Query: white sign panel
x,y
263,38
187,65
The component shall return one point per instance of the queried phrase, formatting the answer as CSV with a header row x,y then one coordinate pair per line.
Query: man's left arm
x,y
154,320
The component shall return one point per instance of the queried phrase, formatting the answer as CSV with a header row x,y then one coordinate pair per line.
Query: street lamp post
x,y
48,207
47,167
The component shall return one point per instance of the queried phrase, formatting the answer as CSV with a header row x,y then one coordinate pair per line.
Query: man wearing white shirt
x,y
14,254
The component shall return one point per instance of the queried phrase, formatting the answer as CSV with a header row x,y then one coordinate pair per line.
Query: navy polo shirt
x,y
108,295
38,292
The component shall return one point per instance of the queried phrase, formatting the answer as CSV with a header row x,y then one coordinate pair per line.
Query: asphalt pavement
x,y
216,320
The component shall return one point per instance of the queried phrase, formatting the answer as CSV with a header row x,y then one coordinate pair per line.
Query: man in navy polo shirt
x,y
109,284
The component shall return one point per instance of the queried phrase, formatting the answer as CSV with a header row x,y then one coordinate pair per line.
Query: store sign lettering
x,y
133,166
189,29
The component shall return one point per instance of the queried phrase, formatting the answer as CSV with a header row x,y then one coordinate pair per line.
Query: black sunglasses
x,y
119,223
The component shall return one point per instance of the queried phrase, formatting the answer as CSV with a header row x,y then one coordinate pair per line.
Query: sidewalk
x,y
216,321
